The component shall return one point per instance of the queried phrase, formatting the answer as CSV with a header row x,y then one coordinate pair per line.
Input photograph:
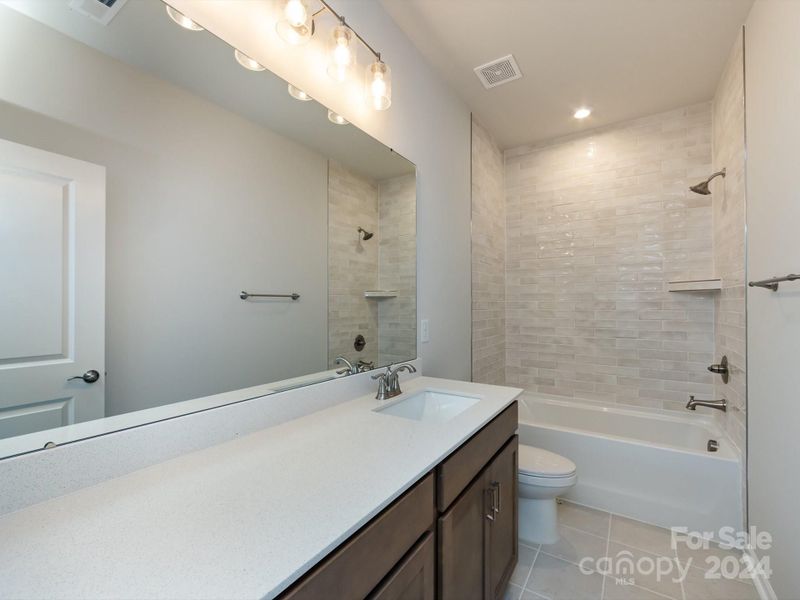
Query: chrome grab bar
x,y
245,295
772,284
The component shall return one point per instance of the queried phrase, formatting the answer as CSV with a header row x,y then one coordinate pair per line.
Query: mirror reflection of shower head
x,y
702,187
364,234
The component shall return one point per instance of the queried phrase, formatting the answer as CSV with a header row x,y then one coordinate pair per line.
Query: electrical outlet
x,y
424,331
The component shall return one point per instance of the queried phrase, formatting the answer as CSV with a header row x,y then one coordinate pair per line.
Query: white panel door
x,y
52,289
772,75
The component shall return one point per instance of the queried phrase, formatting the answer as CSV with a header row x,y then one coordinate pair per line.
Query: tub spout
x,y
718,404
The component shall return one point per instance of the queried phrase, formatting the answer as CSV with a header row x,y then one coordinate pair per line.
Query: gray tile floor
x,y
553,572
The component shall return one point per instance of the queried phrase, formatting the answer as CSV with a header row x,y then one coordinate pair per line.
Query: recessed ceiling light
x,y
336,118
247,62
182,20
298,94
582,113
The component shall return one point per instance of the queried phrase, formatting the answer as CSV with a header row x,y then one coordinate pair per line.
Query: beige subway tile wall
x,y
397,317
729,248
729,242
488,259
352,264
596,225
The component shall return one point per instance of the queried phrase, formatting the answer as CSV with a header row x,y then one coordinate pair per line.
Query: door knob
x,y
88,377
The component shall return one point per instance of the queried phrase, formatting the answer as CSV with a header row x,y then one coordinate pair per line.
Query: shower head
x,y
364,234
702,187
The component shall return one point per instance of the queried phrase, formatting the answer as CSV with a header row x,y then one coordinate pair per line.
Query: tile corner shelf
x,y
695,285
380,294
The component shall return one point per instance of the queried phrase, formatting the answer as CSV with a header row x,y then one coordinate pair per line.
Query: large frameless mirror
x,y
178,230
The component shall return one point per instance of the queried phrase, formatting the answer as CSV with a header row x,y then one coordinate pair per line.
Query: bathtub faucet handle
x,y
721,369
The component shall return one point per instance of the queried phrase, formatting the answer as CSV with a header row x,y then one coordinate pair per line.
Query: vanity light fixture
x,y
297,26
298,94
182,20
247,62
336,118
341,53
379,84
582,112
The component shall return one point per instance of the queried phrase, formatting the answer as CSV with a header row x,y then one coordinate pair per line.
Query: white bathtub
x,y
649,465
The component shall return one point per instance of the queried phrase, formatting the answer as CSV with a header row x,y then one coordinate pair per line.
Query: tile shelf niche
x,y
380,294
695,285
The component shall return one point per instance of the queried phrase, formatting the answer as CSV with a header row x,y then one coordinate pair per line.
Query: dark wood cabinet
x,y
502,551
461,541
358,566
452,536
478,533
414,578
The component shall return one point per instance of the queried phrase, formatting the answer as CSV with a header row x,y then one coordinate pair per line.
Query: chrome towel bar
x,y
772,284
245,295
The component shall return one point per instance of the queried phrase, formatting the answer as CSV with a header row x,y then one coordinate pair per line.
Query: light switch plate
x,y
424,331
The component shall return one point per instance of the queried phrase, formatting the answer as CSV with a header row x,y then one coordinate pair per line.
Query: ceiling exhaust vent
x,y
497,72
101,11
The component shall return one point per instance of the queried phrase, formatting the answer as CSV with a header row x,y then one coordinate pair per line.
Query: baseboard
x,y
762,584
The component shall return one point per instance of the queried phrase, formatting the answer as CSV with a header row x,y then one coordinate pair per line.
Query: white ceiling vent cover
x,y
498,72
101,11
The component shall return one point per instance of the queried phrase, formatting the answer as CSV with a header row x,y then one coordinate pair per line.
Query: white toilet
x,y
543,476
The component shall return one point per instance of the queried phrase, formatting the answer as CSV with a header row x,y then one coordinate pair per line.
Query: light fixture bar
x,y
342,21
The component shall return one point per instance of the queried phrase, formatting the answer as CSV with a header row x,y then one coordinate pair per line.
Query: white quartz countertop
x,y
243,519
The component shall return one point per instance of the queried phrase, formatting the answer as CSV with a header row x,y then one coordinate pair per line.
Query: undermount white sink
x,y
429,406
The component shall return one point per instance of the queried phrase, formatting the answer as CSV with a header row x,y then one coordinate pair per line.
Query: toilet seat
x,y
565,481
537,465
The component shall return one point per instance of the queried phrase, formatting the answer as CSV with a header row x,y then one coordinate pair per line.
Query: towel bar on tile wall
x,y
772,284
245,295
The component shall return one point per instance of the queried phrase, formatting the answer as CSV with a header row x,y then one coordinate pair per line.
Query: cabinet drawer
x,y
453,475
414,578
357,567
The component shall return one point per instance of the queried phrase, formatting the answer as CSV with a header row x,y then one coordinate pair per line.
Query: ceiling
x,y
622,58
142,35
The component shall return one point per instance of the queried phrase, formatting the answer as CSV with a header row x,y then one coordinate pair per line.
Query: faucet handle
x,y
383,384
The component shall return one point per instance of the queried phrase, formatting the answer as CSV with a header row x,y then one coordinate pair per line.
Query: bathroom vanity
x,y
460,520
349,498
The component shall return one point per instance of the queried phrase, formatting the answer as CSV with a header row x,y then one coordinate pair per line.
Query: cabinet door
x,y
462,545
501,533
414,578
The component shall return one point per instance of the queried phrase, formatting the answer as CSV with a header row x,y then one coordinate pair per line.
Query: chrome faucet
x,y
718,404
389,381
353,369
350,369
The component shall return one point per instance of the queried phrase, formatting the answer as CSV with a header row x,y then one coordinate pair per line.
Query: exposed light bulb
x,y
341,54
295,27
336,118
582,113
247,62
295,12
182,20
379,85
298,94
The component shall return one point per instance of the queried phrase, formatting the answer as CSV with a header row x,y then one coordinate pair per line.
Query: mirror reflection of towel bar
x,y
245,295
772,284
